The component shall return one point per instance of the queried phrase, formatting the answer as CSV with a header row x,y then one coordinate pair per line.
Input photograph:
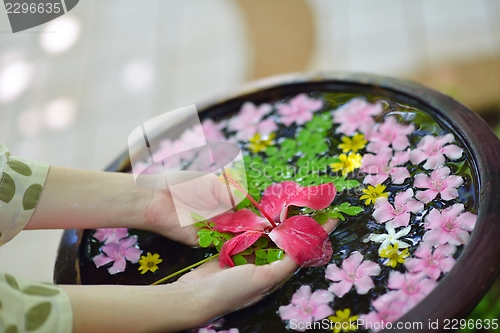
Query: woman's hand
x,y
198,194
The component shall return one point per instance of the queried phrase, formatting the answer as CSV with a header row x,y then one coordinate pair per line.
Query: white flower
x,y
392,237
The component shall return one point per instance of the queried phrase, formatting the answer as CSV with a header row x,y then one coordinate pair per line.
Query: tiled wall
x,y
132,60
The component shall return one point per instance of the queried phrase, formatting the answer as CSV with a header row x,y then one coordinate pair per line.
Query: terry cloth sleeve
x,y
21,183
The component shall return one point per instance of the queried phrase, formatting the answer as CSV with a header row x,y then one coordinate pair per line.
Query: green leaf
x,y
247,252
262,242
321,218
31,196
239,260
204,232
353,210
260,261
20,167
218,247
274,254
336,215
197,217
271,151
216,241
36,316
11,281
243,204
205,240
11,329
40,291
261,254
200,224
7,188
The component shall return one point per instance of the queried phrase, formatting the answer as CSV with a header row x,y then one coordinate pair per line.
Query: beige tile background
x,y
130,61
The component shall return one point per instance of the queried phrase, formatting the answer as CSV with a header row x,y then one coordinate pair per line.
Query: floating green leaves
x,y
36,316
267,256
208,236
341,183
340,210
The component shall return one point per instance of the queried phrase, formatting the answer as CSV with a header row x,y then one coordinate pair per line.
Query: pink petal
x,y
320,297
382,215
369,268
322,311
454,181
417,156
426,196
414,265
103,233
459,237
341,288
375,179
239,221
397,280
440,173
467,221
449,193
303,117
304,240
424,251
400,142
398,175
414,206
132,254
433,272
101,260
128,242
350,264
235,245
434,161
118,266
444,251
288,312
334,273
437,236
401,220
446,264
453,152
314,197
267,126
400,157
403,197
302,296
363,284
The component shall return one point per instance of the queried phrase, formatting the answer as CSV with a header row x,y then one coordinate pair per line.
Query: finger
x,y
330,225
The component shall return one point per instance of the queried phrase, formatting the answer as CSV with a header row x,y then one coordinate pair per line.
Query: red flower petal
x,y
240,221
304,240
278,197
236,245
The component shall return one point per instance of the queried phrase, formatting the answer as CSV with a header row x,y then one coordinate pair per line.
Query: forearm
x,y
166,308
74,199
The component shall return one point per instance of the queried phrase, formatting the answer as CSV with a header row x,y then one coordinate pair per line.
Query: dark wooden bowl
x,y
463,287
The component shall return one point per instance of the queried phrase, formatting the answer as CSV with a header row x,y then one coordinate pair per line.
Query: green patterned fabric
x,y
26,306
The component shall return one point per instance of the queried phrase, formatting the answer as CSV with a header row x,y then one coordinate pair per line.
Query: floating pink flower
x,y
399,213
299,110
433,150
450,225
389,133
126,248
440,182
110,235
306,307
356,115
379,167
388,308
301,237
354,272
432,263
412,287
213,130
249,121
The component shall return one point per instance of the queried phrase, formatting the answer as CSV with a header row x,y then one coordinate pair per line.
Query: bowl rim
x,y
479,261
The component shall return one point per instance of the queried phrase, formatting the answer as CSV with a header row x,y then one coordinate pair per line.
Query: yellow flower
x,y
371,194
353,144
343,321
394,255
257,144
347,163
149,263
